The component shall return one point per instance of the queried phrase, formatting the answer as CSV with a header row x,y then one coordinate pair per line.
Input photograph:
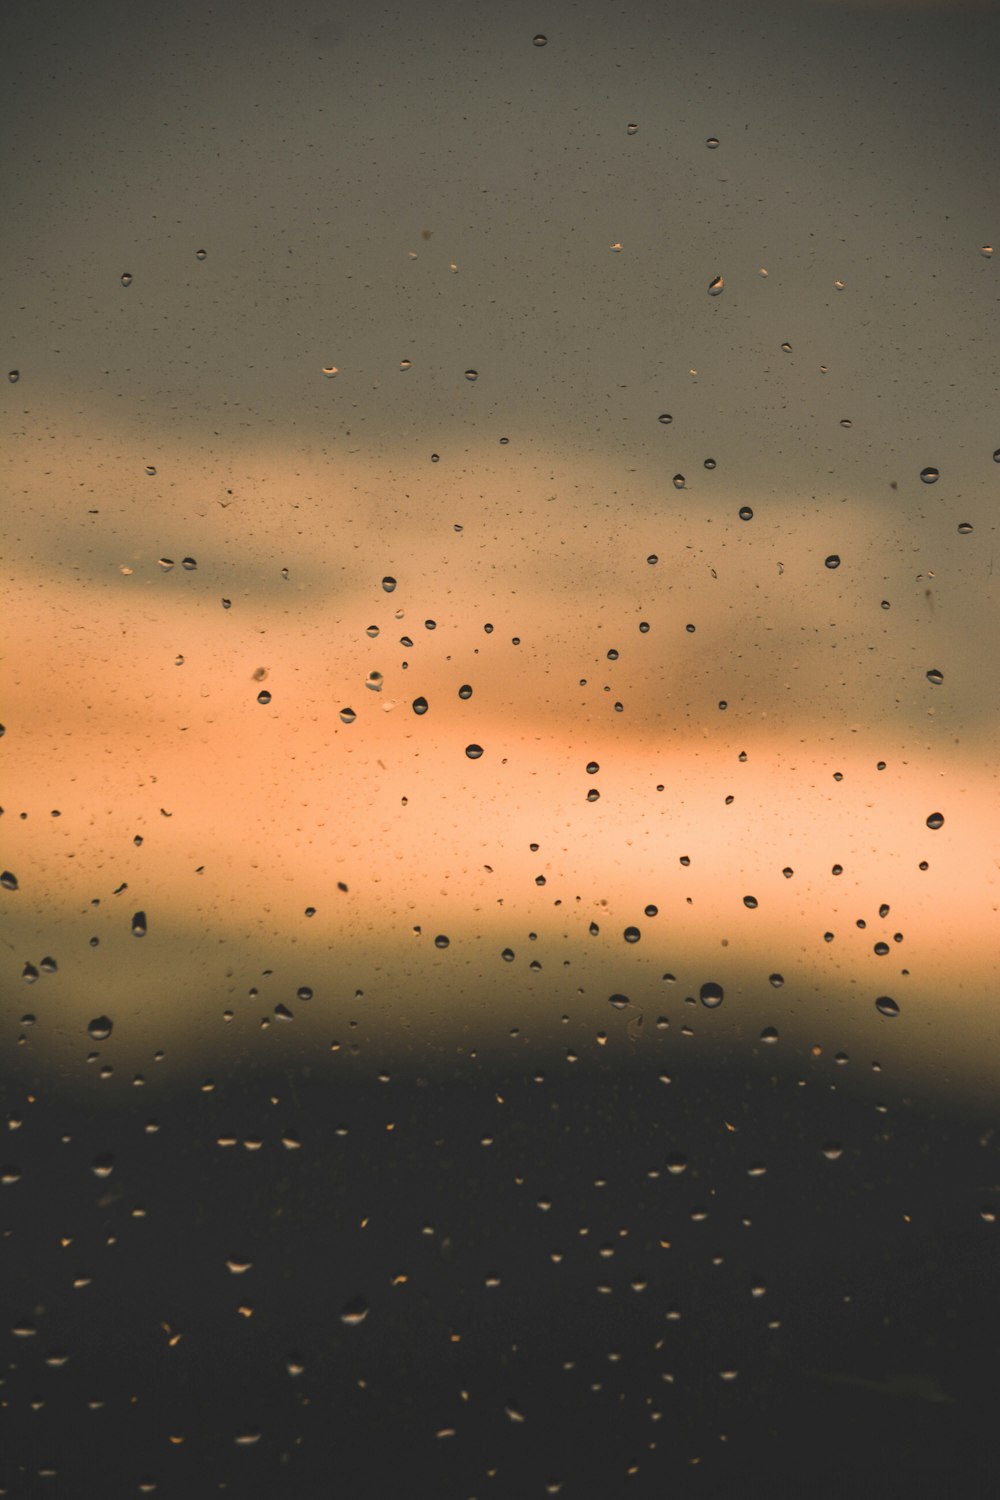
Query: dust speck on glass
x,y
506,1005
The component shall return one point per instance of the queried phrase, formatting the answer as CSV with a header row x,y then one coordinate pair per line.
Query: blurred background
x,y
500,828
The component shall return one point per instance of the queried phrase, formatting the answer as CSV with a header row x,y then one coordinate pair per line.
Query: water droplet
x,y
354,1312
48,966
348,715
374,682
930,475
935,676
936,820
996,455
676,1163
103,1165
631,129
666,419
200,254
441,941
763,271
716,286
126,278
189,564
631,934
263,696
712,142
746,514
886,1006
846,422
330,371
419,705
786,348
881,949
839,285
832,1150
388,584
679,481
472,375
618,1002
9,880
139,924
435,458
833,561
964,527
776,980
539,40
29,973
769,1035
150,470
474,751
13,376
986,250
465,691
616,247
711,994
100,1028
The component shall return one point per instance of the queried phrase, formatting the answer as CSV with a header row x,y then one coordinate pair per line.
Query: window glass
x,y
499,748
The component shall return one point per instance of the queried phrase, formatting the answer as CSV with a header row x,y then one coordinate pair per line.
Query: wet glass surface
x,y
499,756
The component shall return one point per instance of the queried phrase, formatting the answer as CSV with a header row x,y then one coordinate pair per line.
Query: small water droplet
x,y
100,1028
936,820
618,1002
472,375
786,348
330,371
631,129
746,514
711,994
465,691
935,676
839,285
846,422
263,696
354,1312
679,481
374,682
769,1035
126,278
388,584
13,376
631,934
189,564
964,527
750,902
474,752
832,1150
716,286
539,40
886,1006
712,142
986,250
419,705
200,254
348,715
9,880
666,419
930,475
139,924
676,1163
833,561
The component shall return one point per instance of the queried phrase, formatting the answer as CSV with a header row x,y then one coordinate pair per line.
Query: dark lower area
x,y
878,1267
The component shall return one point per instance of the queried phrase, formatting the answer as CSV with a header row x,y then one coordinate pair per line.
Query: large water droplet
x,y
711,994
632,934
419,705
746,514
100,1028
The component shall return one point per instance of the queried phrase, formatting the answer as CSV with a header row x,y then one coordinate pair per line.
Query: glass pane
x,y
499,749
